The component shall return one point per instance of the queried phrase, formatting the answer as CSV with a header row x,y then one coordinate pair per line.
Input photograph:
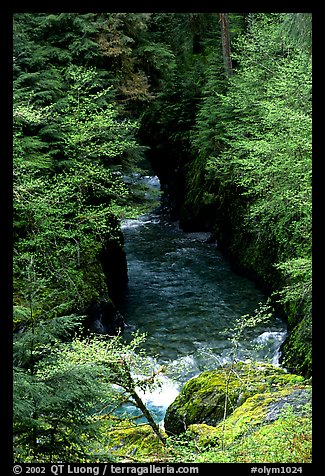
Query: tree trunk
x,y
129,386
225,42
148,416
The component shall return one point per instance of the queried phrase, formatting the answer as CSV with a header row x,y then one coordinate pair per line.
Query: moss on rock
x,y
269,420
135,443
215,394
264,427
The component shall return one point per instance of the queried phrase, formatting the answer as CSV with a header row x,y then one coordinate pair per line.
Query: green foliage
x,y
65,390
63,219
88,121
251,176
286,440
239,154
268,139
296,30
64,231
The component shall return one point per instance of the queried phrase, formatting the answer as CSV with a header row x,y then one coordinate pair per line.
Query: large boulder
x,y
215,394
259,410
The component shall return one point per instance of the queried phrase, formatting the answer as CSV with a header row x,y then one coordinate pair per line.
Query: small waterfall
x,y
272,341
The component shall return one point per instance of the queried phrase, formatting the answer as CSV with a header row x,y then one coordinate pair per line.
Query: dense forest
x,y
218,106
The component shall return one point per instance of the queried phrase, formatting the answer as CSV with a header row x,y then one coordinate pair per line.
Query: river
x,y
185,296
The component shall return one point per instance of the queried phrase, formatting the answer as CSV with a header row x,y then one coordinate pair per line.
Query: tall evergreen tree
x,y
225,42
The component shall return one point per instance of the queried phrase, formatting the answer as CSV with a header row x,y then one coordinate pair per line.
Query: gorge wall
x,y
200,205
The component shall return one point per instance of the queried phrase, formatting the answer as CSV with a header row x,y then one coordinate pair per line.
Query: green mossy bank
x,y
238,413
246,412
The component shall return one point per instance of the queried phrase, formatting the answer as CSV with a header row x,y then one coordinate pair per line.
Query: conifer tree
x,y
225,42
66,394
72,143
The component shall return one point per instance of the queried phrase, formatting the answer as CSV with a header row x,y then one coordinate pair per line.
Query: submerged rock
x,y
215,394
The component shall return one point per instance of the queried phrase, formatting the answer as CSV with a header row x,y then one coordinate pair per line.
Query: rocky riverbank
x,y
248,411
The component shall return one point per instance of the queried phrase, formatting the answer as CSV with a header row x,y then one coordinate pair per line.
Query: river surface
x,y
184,295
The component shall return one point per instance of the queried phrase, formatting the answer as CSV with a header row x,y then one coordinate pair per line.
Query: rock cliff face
x,y
202,205
246,392
114,264
103,316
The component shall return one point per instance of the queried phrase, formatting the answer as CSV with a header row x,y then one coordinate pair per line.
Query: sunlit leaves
x,y
267,138
71,389
89,122
61,218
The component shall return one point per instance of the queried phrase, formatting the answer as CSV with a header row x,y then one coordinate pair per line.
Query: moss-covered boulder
x,y
135,443
215,394
269,427
259,410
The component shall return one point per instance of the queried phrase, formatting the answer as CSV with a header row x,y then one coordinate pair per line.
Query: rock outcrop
x,y
214,395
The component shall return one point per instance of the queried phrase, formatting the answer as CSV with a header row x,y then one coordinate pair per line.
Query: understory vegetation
x,y
219,107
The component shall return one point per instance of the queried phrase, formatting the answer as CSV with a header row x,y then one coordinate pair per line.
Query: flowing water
x,y
184,295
